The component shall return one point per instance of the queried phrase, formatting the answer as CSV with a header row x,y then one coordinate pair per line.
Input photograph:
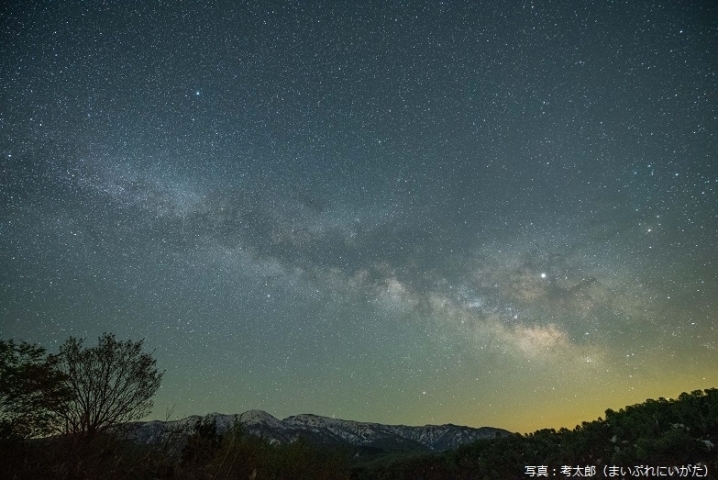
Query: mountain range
x,y
320,430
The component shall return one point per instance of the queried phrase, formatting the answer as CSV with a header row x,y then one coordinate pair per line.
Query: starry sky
x,y
483,213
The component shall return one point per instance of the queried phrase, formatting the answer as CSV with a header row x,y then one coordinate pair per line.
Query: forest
x,y
64,417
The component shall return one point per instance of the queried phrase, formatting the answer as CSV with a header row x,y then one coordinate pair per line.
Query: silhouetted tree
x,y
203,444
111,383
30,388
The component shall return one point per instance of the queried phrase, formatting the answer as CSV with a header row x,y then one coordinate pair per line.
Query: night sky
x,y
485,213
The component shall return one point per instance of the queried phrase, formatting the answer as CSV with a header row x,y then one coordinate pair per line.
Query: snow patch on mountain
x,y
323,430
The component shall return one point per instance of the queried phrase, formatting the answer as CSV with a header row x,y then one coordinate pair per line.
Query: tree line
x,y
60,415
678,433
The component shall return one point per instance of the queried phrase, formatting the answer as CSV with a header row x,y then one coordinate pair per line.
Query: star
x,y
347,209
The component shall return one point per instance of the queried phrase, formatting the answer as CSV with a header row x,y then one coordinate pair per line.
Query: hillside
x,y
668,438
652,439
318,430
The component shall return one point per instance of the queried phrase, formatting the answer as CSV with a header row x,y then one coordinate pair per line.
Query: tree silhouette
x,y
30,388
111,383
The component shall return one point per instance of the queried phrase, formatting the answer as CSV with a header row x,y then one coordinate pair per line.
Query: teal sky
x,y
399,212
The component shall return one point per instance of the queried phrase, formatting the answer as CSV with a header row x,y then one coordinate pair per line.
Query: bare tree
x,y
111,383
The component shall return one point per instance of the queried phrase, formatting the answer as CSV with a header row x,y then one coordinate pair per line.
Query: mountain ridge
x,y
320,430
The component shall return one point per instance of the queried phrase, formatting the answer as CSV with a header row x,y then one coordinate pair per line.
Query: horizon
x,y
282,418
300,415
500,215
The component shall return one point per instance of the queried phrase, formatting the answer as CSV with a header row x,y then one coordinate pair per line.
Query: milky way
x,y
501,215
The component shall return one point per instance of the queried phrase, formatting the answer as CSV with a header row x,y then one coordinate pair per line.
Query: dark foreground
x,y
656,439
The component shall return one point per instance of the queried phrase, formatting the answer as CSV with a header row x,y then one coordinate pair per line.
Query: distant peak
x,y
256,415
